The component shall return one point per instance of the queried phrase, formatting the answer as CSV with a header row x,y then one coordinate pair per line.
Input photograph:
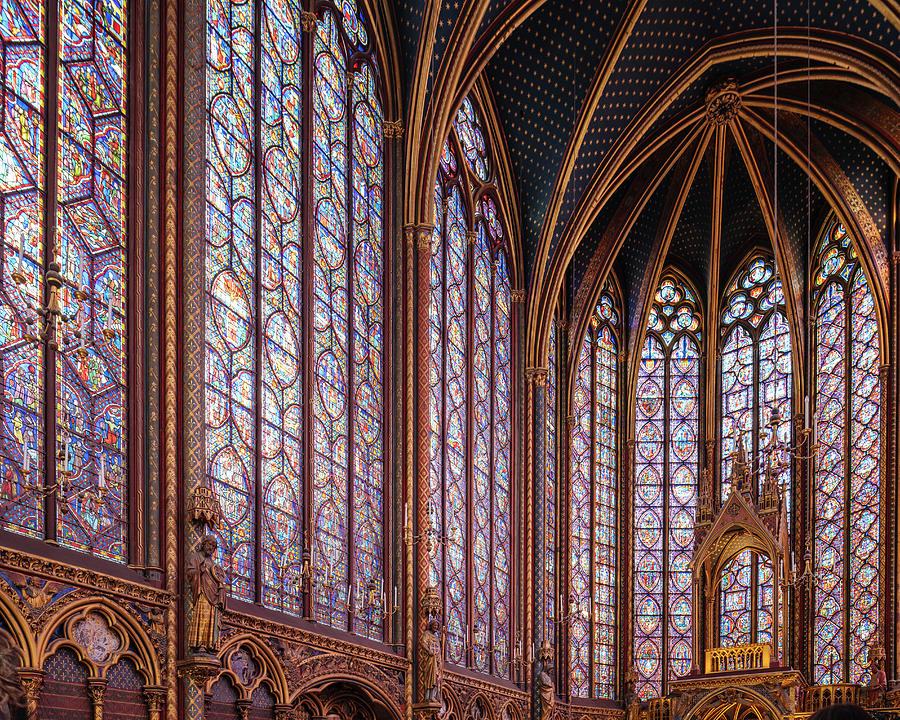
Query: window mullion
x,y
51,200
306,149
258,329
349,541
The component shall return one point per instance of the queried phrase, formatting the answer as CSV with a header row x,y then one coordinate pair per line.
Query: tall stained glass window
x,y
756,381
471,390
82,104
847,463
666,464
551,484
593,507
295,220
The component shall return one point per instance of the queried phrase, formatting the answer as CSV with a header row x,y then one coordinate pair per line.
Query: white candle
x,y
21,252
66,462
806,413
405,515
109,307
101,480
395,596
26,457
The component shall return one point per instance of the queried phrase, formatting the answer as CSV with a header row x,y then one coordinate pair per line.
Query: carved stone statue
x,y
207,582
431,662
877,685
544,685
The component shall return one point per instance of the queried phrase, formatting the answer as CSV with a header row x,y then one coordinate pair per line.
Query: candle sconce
x,y
49,316
430,538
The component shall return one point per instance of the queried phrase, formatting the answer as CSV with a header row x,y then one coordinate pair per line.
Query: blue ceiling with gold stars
x,y
540,76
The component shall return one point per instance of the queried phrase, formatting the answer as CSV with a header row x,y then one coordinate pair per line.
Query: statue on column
x,y
430,654
207,582
431,662
877,685
543,681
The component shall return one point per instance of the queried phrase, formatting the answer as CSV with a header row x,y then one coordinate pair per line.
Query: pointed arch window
x,y
471,402
756,380
65,151
666,464
593,508
294,268
847,463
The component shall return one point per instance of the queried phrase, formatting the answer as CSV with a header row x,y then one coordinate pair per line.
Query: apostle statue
x,y
543,682
431,662
207,582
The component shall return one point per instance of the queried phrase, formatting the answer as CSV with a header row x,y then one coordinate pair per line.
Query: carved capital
x,y
423,237
284,712
883,371
32,681
723,102
96,690
517,296
155,700
392,128
308,21
243,708
895,257
471,236
537,375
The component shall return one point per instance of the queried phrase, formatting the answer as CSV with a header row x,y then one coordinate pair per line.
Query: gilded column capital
x,y
471,236
537,375
883,371
307,21
895,257
154,699
32,681
96,690
243,708
517,296
423,237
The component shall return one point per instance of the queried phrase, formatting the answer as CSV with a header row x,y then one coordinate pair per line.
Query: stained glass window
x,y
470,401
847,463
666,464
551,484
257,284
592,507
86,193
756,381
